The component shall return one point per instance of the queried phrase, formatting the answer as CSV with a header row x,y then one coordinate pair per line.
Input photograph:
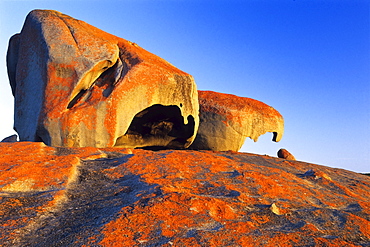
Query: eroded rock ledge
x,y
76,86
226,120
133,197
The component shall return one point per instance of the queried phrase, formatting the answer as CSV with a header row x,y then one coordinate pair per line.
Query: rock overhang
x,y
93,85
226,120
78,86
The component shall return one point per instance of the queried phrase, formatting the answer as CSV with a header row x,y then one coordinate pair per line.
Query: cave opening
x,y
158,127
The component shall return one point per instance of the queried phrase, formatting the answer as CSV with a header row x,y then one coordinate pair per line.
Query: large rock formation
x,y
121,197
227,120
75,85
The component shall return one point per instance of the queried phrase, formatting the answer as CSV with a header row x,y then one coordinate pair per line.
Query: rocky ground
x,y
133,197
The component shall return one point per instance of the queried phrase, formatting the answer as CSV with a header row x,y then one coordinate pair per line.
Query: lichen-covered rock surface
x,y
130,197
76,86
226,120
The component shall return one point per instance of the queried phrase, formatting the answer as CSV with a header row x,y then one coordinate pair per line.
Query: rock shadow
x,y
92,201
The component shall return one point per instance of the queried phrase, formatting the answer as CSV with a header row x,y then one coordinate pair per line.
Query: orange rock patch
x,y
226,120
122,197
78,86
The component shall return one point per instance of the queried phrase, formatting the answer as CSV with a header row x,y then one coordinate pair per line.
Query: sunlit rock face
x,y
227,120
53,196
75,85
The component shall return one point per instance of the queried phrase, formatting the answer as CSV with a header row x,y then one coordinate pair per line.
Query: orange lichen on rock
x,y
27,172
79,86
227,120
123,197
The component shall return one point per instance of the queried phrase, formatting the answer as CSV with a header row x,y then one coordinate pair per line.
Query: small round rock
x,y
285,154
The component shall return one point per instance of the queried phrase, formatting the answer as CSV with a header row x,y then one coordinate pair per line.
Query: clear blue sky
x,y
309,59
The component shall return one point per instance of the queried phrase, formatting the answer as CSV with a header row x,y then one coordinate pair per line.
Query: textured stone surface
x,y
122,197
227,120
75,85
12,138
285,154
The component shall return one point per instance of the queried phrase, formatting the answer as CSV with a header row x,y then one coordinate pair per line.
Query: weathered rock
x,y
75,85
121,197
285,154
227,120
12,138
